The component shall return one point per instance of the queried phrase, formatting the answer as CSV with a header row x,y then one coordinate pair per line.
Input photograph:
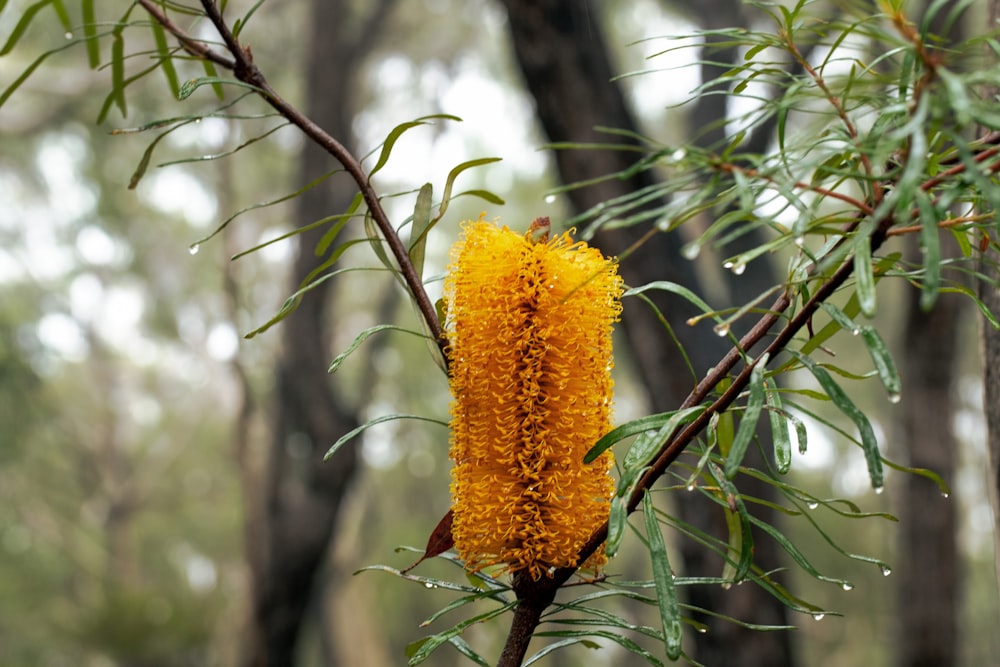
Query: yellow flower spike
x,y
529,333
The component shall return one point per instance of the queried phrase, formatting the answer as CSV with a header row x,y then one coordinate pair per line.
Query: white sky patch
x,y
86,294
97,248
120,315
175,192
61,334
222,342
59,160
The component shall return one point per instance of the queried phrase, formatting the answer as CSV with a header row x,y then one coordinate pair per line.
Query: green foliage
x,y
870,123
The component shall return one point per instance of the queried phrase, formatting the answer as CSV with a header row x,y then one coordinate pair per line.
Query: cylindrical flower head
x,y
529,332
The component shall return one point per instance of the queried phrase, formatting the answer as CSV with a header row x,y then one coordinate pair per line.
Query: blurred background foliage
x,y
136,421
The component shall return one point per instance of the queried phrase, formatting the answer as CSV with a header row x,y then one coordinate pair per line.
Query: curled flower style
x,y
529,332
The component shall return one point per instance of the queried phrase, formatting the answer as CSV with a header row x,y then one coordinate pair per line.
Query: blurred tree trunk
x,y
561,51
299,497
928,564
989,294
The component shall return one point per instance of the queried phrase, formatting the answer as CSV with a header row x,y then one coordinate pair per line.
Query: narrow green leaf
x,y
450,181
143,166
365,335
424,647
780,434
90,34
397,132
421,226
166,60
331,234
666,593
22,25
628,429
64,19
617,520
350,435
649,443
622,641
29,70
213,77
847,406
558,645
246,18
748,424
739,551
466,650
882,359
679,290
485,195
118,73
794,552
865,276
375,241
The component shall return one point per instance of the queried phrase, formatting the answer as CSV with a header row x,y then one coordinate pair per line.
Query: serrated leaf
x,y
748,424
350,435
365,335
663,576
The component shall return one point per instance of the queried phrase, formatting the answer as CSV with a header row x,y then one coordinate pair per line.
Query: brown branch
x,y
246,71
190,44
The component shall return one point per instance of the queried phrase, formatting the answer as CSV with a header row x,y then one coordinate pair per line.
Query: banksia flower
x,y
529,334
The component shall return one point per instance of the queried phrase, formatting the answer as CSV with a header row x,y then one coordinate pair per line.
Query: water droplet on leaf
x,y
879,490
886,571
550,199
691,251
812,505
428,584
194,249
818,616
847,586
894,397
945,494
68,35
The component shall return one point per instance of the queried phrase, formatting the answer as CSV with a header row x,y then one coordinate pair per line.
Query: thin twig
x,y
246,71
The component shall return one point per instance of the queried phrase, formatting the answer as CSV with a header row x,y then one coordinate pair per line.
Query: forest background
x,y
158,469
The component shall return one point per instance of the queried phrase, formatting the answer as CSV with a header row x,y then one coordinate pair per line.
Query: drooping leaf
x,y
840,398
421,226
666,593
365,335
780,435
397,132
350,435
748,424
440,540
